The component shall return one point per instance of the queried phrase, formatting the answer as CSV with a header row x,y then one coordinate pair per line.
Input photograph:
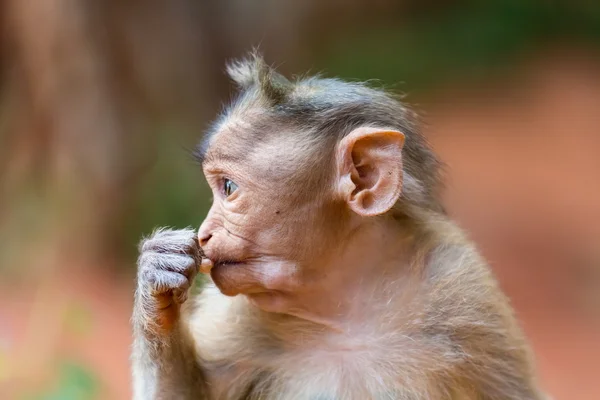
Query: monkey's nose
x,y
203,238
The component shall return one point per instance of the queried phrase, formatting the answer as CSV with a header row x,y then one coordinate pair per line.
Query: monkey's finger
x,y
164,281
183,241
183,264
180,295
205,266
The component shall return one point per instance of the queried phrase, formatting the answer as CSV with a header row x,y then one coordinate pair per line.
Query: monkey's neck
x,y
377,261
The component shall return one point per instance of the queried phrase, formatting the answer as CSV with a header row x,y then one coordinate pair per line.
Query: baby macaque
x,y
335,272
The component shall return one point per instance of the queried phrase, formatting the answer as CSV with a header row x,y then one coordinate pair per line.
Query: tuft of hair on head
x,y
253,72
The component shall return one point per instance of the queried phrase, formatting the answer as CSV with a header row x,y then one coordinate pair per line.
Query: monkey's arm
x,y
163,356
166,367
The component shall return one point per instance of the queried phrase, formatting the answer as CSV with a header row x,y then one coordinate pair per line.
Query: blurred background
x,y
101,102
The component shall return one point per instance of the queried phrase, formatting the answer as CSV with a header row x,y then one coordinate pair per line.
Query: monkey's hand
x,y
167,265
164,361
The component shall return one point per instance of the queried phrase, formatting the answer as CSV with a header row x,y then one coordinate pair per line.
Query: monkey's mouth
x,y
228,263
207,265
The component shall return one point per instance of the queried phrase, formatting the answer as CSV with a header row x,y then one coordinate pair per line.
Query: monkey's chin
x,y
264,283
226,278
233,278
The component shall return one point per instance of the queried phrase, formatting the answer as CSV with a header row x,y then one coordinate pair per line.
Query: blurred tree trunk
x,y
87,81
67,129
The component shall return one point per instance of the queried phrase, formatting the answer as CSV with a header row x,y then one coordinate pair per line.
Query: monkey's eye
x,y
229,187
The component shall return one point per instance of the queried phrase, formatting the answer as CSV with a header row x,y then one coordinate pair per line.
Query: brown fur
x,y
349,281
453,337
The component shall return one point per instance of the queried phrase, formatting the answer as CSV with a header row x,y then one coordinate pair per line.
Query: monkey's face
x,y
271,218
285,205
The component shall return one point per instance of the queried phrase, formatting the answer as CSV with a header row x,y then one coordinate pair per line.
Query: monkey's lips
x,y
208,265
228,263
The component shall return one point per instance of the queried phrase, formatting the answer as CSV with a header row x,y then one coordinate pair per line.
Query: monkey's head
x,y
297,168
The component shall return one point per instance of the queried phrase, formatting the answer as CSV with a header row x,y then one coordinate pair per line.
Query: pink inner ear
x,y
368,175
367,200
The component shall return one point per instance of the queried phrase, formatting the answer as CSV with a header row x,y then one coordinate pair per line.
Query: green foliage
x,y
468,41
75,383
172,192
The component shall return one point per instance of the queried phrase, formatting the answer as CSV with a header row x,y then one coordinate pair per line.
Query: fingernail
x,y
206,265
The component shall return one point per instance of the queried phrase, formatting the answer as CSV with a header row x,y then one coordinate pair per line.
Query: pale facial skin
x,y
270,241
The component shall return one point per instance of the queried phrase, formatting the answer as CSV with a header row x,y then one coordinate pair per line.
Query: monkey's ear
x,y
369,162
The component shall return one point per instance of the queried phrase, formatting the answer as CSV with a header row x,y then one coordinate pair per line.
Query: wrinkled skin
x,y
261,226
280,240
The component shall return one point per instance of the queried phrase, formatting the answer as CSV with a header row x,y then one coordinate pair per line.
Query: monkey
x,y
334,270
